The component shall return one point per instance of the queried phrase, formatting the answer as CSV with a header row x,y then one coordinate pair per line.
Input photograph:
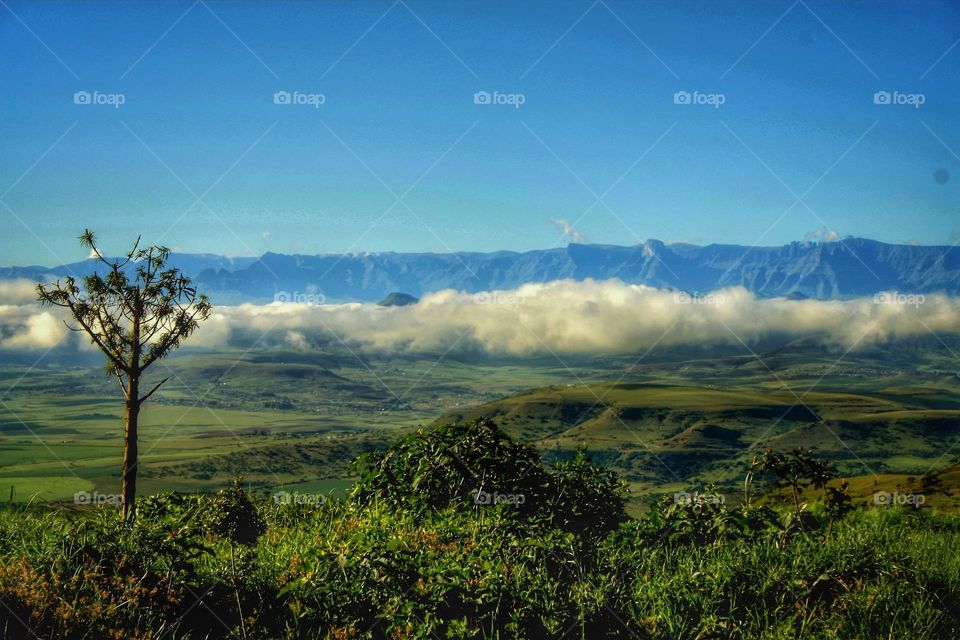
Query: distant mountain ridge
x,y
836,270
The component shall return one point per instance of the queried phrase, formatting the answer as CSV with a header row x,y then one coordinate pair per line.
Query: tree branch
x,y
144,398
96,338
126,393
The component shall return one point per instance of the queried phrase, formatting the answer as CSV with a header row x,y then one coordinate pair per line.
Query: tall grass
x,y
345,570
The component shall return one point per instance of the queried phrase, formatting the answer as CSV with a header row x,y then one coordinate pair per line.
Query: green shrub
x,y
451,466
585,499
234,565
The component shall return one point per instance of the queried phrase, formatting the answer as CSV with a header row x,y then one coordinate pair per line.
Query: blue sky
x,y
400,158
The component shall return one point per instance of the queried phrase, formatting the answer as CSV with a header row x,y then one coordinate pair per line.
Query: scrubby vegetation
x,y
459,532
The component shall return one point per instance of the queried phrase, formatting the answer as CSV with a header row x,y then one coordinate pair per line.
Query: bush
x,y
240,566
453,466
585,499
477,465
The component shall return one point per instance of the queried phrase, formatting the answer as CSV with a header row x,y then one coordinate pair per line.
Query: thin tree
x,y
136,312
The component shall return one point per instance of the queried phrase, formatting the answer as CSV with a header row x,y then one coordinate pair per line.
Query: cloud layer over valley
x,y
563,316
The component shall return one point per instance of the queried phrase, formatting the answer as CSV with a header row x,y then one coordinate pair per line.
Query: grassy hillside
x,y
288,418
663,438
282,418
413,554
939,490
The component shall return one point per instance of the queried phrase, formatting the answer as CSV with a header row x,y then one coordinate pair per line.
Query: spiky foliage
x,y
136,310
158,301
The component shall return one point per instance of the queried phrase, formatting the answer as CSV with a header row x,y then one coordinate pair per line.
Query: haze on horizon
x,y
810,240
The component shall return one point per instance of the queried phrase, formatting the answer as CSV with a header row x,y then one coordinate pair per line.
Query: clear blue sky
x,y
597,83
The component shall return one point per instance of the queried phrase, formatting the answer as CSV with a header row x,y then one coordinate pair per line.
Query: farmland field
x,y
665,421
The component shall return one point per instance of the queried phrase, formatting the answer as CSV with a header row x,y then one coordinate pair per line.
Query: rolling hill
x,y
669,437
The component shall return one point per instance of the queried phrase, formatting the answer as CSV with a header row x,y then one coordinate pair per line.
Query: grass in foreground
x,y
414,554
342,571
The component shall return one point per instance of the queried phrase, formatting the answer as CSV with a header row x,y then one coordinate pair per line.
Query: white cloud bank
x,y
564,316
24,325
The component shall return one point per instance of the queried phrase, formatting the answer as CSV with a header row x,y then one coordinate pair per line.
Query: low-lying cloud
x,y
24,326
563,316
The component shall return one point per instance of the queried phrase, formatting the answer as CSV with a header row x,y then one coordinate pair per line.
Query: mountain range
x,y
847,268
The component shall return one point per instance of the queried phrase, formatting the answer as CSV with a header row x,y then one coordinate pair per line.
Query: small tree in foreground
x,y
135,313
799,469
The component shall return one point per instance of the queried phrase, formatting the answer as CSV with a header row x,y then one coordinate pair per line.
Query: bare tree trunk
x,y
130,453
